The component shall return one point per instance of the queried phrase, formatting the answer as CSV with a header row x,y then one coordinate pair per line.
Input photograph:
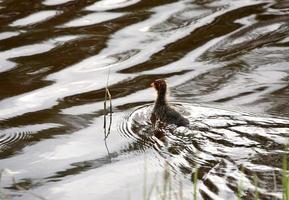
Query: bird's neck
x,y
161,98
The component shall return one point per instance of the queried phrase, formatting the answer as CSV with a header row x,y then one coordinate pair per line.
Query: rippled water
x,y
226,63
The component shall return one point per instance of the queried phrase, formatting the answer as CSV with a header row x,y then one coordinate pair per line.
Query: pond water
x,y
226,63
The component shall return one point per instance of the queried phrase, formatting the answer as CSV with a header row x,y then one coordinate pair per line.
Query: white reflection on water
x,y
80,78
48,96
30,128
120,179
108,4
21,51
86,144
5,35
12,135
75,165
93,18
26,50
55,2
32,49
257,32
35,18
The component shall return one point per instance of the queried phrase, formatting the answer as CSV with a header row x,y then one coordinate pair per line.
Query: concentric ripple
x,y
213,142
11,136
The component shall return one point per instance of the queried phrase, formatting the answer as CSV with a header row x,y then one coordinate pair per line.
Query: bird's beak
x,y
153,84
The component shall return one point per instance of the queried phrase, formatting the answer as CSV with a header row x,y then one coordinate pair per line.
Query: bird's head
x,y
160,85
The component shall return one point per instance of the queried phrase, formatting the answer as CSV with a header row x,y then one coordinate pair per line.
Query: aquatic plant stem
x,y
105,129
285,177
195,182
256,187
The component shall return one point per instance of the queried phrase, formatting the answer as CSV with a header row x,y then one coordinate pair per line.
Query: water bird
x,y
162,112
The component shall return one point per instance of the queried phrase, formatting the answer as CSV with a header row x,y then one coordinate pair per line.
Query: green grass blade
x,y
195,183
256,187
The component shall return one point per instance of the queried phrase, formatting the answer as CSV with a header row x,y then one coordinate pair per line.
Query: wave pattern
x,y
228,147
55,57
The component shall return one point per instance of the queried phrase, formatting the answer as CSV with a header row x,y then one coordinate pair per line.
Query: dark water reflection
x,y
223,58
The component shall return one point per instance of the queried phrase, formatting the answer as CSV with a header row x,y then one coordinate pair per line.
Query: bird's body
x,y
162,111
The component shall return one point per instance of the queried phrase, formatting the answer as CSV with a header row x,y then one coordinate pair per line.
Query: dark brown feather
x,y
162,110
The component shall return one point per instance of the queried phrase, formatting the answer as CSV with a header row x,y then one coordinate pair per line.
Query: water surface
x,y
226,63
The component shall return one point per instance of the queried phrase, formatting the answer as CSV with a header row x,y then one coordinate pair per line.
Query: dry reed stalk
x,y
107,96
106,130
